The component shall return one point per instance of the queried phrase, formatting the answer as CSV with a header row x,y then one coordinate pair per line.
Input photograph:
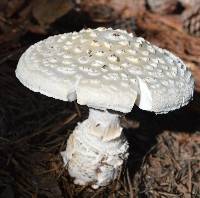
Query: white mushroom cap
x,y
106,69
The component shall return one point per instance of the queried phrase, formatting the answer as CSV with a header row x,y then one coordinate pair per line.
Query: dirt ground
x,y
164,151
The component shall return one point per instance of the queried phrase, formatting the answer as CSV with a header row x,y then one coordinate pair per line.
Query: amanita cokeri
x,y
106,70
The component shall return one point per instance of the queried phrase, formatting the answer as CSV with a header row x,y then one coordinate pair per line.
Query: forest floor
x,y
164,156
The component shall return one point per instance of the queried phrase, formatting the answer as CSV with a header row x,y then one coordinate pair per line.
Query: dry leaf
x,y
48,11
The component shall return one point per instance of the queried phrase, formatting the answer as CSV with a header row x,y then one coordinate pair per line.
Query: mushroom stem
x,y
96,149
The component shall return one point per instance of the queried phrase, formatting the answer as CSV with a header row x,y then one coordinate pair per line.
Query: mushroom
x,y
104,69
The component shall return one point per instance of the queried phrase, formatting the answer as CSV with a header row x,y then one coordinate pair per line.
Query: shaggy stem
x,y
96,149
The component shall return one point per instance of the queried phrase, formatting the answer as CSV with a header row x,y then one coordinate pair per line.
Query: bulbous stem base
x,y
96,150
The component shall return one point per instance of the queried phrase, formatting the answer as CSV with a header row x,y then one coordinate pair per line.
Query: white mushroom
x,y
104,69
